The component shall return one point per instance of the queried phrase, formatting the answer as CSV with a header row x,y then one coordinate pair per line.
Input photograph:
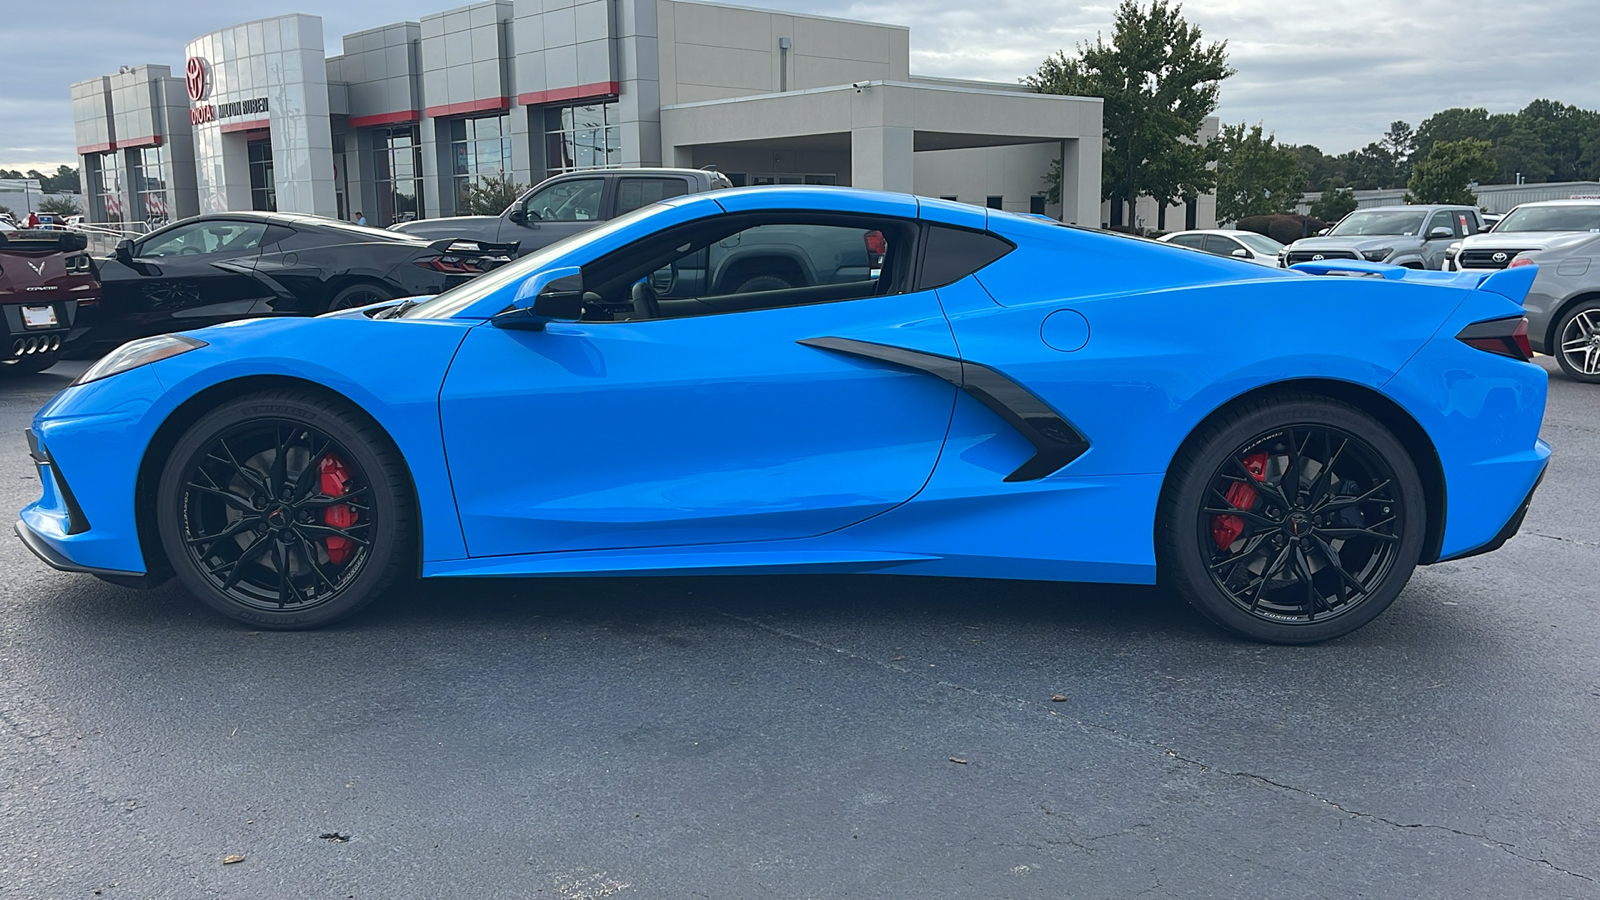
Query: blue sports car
x,y
820,380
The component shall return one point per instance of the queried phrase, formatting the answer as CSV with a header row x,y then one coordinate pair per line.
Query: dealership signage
x,y
196,78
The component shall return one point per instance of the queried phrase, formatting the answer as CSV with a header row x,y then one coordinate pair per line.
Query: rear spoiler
x,y
1510,283
466,247
39,239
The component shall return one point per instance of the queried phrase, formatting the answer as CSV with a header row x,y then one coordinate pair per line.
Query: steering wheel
x,y
645,303
189,251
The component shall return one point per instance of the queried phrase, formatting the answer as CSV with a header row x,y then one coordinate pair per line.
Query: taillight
x,y
454,265
1506,337
876,245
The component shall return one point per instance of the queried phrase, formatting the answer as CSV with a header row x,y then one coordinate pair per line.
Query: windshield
x,y
459,298
1399,221
1551,218
1260,243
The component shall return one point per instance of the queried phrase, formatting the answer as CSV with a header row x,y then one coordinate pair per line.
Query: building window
x,y
1036,204
263,190
479,148
995,201
582,137
105,186
397,175
750,179
150,185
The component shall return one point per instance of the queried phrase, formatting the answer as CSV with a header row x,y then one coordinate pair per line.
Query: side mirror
x,y
1439,233
1322,232
518,215
553,295
1241,253
124,251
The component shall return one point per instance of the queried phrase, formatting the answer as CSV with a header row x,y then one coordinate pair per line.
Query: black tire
x,y
1364,522
31,364
233,552
362,293
762,283
1579,330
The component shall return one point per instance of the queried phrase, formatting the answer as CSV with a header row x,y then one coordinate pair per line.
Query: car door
x,y
1433,248
708,423
187,276
557,210
1221,245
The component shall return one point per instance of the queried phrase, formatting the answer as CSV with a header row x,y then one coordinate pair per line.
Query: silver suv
x,y
1546,225
1411,236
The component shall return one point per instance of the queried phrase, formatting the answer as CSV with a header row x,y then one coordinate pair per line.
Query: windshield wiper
x,y
398,310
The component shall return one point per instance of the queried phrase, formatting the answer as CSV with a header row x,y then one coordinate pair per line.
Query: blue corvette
x,y
820,380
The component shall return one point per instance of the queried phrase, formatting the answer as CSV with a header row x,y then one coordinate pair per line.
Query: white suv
x,y
1545,225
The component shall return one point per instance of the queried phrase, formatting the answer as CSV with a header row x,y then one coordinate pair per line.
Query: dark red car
x,y
46,280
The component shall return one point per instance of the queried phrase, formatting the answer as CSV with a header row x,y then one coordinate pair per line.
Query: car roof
x,y
305,220
1225,232
1408,207
1571,201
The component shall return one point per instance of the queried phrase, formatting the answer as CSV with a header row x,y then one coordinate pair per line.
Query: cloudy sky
x,y
1333,73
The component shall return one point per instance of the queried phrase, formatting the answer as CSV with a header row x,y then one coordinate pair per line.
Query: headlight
x,y
1451,251
138,353
1377,255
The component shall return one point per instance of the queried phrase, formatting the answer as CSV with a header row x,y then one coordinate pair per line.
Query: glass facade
x,y
105,185
397,175
582,137
151,180
479,148
263,192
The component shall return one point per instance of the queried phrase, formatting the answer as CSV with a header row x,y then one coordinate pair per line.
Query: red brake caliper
x,y
1226,529
334,478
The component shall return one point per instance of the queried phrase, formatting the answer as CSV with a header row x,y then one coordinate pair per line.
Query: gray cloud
x,y
1329,72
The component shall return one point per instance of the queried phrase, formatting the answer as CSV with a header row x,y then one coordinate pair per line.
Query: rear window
x,y
954,253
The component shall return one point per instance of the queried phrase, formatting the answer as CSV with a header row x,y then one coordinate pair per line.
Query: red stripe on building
x,y
581,92
92,149
152,140
252,125
388,118
471,106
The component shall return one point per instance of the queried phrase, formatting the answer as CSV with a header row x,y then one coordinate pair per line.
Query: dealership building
x,y
410,115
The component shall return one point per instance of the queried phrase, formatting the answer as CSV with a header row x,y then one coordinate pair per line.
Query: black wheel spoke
x,y
250,553
1348,533
1332,556
1253,518
1302,571
239,525
324,502
337,532
308,479
1324,482
1290,482
1258,483
234,500
1364,497
309,552
243,471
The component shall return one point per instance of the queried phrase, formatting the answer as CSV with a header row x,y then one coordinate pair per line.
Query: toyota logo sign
x,y
194,78
1317,258
1499,257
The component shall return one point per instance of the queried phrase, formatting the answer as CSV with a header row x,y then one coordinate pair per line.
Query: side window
x,y
731,264
1196,241
1466,223
633,193
1219,245
1439,219
954,253
577,200
275,233
216,236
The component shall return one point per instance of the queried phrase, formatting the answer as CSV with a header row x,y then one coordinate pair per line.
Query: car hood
x,y
1525,240
1356,242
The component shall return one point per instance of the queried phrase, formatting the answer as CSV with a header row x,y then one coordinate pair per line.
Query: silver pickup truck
x,y
566,204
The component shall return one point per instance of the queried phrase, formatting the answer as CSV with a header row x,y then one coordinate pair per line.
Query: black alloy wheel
x,y
1578,342
358,295
1297,521
284,510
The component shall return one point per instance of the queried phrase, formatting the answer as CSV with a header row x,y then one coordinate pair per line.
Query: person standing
x,y
33,219
361,218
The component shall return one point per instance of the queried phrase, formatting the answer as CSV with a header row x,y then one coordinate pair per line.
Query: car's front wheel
x,y
285,509
1292,519
1578,342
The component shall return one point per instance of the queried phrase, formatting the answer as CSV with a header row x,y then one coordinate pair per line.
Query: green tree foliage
x,y
1334,204
1450,166
64,181
65,206
1159,81
1255,175
491,195
1283,229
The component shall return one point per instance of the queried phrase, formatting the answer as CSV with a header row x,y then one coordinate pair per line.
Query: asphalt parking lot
x,y
808,737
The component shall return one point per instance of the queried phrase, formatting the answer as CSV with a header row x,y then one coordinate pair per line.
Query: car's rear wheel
x,y
285,509
358,295
1292,520
1578,342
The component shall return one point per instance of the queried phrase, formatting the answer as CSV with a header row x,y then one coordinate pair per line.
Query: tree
x,y
490,195
1255,176
1400,141
1159,82
1334,204
65,206
1445,175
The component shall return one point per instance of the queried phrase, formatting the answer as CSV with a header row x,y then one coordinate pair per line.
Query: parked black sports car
x,y
222,266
